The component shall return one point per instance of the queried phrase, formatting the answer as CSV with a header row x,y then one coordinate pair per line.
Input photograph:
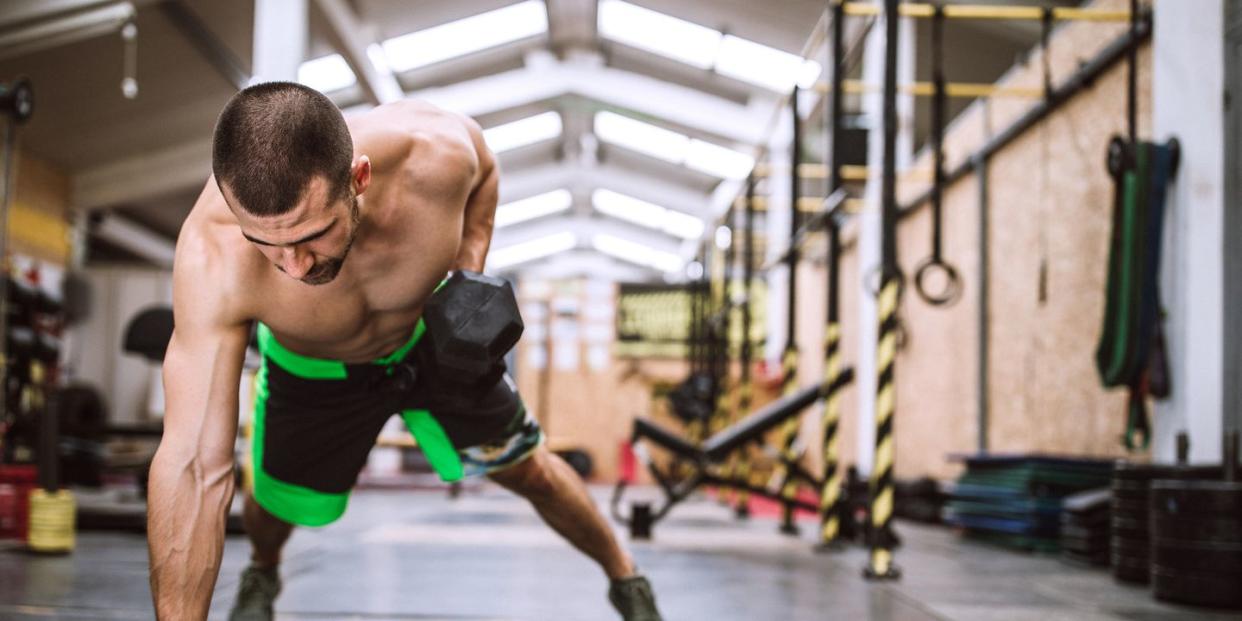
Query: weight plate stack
x,y
1085,527
1130,534
1197,542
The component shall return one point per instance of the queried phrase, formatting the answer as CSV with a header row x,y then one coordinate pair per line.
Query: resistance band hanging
x,y
1131,350
952,288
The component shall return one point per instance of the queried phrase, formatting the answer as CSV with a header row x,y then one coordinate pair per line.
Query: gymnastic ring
x,y
953,283
874,278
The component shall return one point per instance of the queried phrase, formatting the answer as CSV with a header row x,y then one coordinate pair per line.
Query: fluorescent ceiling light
x,y
719,161
536,206
637,253
646,214
465,36
656,32
705,48
47,33
327,73
532,129
672,147
643,137
538,248
765,66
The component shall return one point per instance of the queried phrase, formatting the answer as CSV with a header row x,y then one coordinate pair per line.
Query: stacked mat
x,y
1131,502
1015,501
1085,527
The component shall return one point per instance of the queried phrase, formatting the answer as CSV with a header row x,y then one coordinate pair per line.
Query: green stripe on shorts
x,y
292,503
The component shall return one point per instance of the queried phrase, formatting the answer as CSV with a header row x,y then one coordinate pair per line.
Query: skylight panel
x,y
646,214
656,32
523,132
643,137
538,248
533,207
718,161
764,66
634,252
466,36
327,73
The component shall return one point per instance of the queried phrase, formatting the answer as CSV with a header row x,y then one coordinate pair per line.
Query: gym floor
x,y
402,555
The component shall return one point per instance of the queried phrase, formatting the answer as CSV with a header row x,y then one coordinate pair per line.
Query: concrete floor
x,y
402,555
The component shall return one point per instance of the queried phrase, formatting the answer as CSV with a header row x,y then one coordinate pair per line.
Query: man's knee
x,y
534,477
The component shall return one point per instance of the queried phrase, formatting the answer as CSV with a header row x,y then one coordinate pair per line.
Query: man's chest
x,y
383,285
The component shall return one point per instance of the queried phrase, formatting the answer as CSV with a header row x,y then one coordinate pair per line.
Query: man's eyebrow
x,y
303,240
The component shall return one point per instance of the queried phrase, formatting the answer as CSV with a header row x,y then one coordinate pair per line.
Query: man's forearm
x,y
188,502
472,255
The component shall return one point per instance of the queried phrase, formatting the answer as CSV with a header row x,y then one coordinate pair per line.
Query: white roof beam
x,y
583,262
351,38
152,246
145,176
584,227
521,183
680,106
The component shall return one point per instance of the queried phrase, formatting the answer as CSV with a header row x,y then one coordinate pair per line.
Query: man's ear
x,y
360,174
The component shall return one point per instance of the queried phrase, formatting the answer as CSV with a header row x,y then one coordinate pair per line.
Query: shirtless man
x,y
331,235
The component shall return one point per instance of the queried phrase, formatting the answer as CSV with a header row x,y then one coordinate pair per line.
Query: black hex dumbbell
x,y
472,322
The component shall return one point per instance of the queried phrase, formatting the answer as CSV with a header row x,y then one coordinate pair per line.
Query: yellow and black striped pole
x,y
830,504
880,565
745,388
830,495
787,484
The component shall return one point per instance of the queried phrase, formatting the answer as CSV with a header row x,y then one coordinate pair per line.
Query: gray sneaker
x,y
633,598
258,589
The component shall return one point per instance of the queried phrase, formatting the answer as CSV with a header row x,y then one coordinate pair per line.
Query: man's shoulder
x,y
422,123
214,260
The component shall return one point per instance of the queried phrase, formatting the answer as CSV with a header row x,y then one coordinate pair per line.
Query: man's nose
x,y
296,262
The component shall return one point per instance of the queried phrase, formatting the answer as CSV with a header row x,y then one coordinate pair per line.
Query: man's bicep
x,y
487,163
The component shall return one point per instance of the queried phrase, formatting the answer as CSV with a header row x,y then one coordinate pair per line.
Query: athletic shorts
x,y
316,420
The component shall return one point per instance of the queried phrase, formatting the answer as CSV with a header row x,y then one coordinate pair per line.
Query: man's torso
x,y
424,167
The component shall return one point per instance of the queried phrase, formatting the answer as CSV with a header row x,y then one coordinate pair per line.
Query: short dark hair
x,y
272,139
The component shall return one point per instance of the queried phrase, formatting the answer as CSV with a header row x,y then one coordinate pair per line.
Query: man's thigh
x,y
311,439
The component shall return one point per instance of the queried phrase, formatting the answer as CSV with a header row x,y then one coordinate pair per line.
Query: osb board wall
x,y
812,317
1050,198
39,214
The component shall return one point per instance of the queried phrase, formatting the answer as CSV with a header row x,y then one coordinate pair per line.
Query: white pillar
x,y
869,221
280,32
1187,89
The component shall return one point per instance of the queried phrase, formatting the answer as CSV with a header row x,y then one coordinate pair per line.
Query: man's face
x,y
311,241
